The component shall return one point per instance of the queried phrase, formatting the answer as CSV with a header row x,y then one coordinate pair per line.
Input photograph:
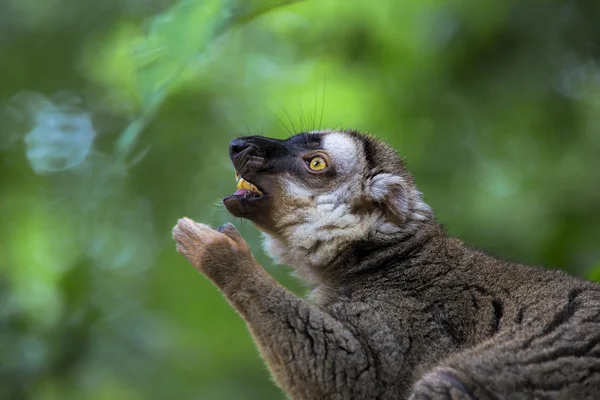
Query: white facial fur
x,y
346,155
320,226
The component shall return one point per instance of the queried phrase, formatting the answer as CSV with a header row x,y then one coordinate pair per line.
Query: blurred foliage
x,y
115,118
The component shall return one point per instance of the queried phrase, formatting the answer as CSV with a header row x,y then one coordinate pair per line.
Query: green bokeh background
x,y
495,105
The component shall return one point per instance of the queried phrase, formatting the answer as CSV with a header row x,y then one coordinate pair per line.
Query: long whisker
x,y
299,120
248,130
301,115
314,114
323,103
291,121
281,123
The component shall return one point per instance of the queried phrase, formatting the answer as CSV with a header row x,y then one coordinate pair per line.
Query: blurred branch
x,y
131,134
234,13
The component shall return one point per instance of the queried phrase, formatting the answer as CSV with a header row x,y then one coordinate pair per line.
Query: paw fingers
x,y
187,229
191,228
181,250
195,239
231,231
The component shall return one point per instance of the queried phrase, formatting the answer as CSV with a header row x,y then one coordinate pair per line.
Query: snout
x,y
246,157
257,158
239,146
257,146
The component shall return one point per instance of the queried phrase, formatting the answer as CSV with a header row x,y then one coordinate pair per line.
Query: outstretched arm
x,y
311,354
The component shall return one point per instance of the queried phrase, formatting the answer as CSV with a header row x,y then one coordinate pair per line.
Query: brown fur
x,y
398,313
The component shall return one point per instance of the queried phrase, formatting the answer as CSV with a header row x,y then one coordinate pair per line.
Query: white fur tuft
x,y
382,185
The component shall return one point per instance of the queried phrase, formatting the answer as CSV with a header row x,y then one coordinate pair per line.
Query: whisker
x,y
301,116
336,126
323,103
291,121
247,129
299,121
303,127
314,114
231,219
281,122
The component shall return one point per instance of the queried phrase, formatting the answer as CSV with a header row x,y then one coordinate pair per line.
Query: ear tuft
x,y
389,191
382,185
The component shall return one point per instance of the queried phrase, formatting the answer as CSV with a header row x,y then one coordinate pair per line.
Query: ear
x,y
390,193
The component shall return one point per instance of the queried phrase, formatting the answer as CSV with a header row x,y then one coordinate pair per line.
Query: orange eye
x,y
317,163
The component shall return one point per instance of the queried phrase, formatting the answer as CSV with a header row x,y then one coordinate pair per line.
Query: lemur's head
x,y
315,194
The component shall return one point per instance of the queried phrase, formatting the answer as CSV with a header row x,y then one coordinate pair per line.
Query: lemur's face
x,y
324,186
275,177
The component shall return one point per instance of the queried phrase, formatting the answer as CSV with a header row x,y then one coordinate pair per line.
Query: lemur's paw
x,y
192,238
212,251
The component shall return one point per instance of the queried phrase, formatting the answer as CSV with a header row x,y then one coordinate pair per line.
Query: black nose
x,y
237,146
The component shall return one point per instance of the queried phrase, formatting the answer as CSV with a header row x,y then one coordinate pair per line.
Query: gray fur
x,y
400,310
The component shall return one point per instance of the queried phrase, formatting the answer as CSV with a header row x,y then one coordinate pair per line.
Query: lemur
x,y
399,309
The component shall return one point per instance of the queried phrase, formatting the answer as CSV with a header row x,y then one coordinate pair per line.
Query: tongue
x,y
246,193
242,192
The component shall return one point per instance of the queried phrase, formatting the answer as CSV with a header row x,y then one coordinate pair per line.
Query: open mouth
x,y
246,190
249,201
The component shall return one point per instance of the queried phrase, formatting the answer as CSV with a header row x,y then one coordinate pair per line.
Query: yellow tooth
x,y
244,184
